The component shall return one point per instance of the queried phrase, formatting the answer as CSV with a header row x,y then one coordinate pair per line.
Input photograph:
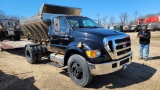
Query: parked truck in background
x,y
10,29
153,26
77,42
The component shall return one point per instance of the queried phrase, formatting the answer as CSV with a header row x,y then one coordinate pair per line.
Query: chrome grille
x,y
117,46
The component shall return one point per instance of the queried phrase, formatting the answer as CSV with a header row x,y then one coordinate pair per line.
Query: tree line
x,y
4,16
124,19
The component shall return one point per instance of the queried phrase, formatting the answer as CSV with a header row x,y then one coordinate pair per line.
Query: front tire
x,y
78,70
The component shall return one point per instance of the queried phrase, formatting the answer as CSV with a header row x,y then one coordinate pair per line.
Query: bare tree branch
x,y
104,20
98,16
112,20
2,15
123,18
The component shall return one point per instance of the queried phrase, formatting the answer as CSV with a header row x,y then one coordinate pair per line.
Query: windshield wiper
x,y
79,27
86,27
91,27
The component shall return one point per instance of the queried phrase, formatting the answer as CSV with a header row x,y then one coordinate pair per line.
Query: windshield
x,y
82,22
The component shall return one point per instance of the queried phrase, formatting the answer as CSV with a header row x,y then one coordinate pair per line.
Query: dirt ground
x,y
17,74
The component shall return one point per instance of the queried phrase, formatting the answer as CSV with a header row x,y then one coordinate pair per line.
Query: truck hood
x,y
100,31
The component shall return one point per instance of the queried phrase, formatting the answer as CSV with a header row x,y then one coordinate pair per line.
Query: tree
x,y
104,20
123,18
112,20
135,18
2,15
135,15
14,17
98,16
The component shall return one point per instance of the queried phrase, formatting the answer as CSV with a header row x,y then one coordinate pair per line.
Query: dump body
x,y
38,25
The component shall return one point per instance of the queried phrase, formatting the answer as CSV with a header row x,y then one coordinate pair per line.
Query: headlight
x,y
93,53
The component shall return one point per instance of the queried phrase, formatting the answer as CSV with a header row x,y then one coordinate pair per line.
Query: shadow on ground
x,y
11,82
17,51
21,52
155,58
135,73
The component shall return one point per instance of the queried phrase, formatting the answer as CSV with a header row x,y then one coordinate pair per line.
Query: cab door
x,y
64,32
59,38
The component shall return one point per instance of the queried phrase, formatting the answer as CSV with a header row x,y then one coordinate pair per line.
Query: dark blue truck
x,y
77,42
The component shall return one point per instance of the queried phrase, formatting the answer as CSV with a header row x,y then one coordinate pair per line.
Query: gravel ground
x,y
17,74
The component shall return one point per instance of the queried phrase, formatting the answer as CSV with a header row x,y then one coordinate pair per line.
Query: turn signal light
x,y
93,53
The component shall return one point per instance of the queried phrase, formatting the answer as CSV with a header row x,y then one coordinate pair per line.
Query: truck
x,y
132,28
75,42
153,26
9,29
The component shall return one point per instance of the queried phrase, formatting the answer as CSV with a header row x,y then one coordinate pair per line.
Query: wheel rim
x,y
76,70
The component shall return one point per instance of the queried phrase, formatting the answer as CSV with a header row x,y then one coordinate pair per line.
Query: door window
x,y
63,26
87,23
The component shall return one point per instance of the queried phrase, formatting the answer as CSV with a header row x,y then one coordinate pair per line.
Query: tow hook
x,y
124,66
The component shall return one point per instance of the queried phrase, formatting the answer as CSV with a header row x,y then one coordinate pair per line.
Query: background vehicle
x,y
153,26
76,42
9,29
126,28
132,28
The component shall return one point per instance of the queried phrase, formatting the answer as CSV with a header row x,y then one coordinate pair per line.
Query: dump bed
x,y
38,25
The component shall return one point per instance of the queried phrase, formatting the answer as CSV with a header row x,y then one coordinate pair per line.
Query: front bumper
x,y
109,67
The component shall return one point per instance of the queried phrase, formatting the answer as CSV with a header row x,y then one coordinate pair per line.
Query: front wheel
x,y
78,70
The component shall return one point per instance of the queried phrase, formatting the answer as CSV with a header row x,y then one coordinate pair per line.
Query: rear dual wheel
x,y
33,54
30,55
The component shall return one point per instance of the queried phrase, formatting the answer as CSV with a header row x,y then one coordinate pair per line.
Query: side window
x,y
73,23
87,23
63,26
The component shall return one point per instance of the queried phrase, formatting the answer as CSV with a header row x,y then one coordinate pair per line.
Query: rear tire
x,y
78,70
39,54
30,55
1,36
17,38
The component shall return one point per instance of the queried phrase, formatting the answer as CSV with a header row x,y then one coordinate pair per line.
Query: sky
x,y
90,8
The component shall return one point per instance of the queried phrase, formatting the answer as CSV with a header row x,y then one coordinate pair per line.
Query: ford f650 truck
x,y
77,42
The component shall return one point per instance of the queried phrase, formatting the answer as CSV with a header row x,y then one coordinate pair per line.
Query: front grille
x,y
122,40
110,45
118,46
121,46
123,52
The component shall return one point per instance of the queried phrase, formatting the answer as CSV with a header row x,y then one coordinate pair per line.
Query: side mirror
x,y
56,25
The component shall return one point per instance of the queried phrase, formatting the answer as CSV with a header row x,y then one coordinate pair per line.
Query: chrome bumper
x,y
109,67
